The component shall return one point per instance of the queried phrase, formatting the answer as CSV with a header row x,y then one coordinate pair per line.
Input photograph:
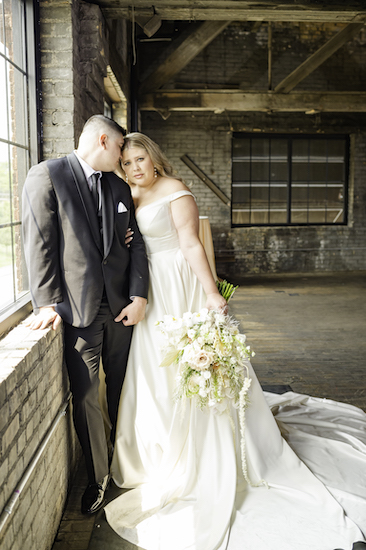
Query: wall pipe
x,y
27,474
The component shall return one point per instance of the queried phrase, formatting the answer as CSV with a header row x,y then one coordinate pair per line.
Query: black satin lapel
x,y
85,196
108,214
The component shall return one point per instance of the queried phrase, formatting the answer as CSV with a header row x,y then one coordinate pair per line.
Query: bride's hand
x,y
128,237
216,301
133,313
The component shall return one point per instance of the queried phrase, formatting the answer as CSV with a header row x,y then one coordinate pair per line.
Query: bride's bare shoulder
x,y
172,185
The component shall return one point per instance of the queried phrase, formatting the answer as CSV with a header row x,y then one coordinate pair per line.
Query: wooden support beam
x,y
315,60
323,11
223,14
188,162
229,100
177,60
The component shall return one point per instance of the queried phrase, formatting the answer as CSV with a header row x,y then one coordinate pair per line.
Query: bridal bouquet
x,y
213,363
211,356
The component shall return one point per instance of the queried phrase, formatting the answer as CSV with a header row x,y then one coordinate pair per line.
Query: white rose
x,y
201,360
188,354
193,382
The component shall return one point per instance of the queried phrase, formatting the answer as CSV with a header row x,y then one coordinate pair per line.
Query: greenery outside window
x,y
18,142
289,180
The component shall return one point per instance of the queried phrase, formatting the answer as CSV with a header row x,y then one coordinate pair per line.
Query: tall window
x,y
18,140
289,180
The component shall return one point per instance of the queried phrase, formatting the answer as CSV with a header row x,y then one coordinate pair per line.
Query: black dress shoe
x,y
93,497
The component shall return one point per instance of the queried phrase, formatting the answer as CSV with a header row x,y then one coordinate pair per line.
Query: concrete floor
x,y
308,332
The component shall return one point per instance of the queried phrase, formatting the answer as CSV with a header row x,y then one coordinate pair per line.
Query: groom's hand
x,y
133,313
46,316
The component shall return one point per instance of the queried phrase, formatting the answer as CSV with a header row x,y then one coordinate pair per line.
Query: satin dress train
x,y
183,467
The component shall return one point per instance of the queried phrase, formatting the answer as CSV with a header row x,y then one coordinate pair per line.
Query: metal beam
x,y
188,162
317,58
186,51
229,100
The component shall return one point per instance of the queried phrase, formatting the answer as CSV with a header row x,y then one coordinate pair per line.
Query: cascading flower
x,y
213,359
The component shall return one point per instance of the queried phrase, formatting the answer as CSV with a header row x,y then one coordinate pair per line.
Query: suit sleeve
x,y
41,237
139,269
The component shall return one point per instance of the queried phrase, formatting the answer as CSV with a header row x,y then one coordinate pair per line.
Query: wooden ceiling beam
x,y
185,52
228,100
273,13
314,5
317,58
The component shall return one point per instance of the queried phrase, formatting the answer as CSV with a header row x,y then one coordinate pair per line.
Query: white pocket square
x,y
121,208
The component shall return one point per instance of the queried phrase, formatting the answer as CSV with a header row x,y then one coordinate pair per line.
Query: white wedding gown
x,y
184,468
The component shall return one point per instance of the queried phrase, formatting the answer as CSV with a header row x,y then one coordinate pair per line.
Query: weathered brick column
x,y
34,477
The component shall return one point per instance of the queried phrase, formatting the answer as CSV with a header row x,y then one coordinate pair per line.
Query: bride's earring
x,y
126,178
155,172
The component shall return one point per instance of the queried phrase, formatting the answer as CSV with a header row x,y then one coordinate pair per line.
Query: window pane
x,y
19,170
241,148
258,216
2,30
260,170
6,268
241,193
21,274
5,197
14,31
240,217
18,99
241,170
3,101
299,214
300,170
260,148
316,215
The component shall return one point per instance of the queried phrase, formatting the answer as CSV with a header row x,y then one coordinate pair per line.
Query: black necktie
x,y
94,190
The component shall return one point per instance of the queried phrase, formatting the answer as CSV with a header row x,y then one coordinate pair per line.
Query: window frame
x,y
20,308
290,139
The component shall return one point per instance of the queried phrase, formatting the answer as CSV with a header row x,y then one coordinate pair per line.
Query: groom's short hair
x,y
98,122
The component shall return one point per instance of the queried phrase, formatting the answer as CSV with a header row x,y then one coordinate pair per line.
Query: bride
x,y
183,467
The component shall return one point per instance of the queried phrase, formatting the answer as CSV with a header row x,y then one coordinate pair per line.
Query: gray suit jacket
x,y
68,263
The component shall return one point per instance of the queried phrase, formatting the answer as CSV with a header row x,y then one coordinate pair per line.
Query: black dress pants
x,y
83,349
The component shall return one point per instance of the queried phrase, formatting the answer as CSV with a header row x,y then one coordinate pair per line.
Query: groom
x,y
76,213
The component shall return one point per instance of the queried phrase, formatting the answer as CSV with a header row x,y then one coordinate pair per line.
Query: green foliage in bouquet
x,y
226,289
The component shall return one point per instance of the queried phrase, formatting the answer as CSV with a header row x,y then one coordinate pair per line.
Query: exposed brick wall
x,y
206,139
90,62
33,389
74,58
56,39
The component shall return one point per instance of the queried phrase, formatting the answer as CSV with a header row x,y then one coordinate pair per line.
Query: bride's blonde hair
x,y
159,160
